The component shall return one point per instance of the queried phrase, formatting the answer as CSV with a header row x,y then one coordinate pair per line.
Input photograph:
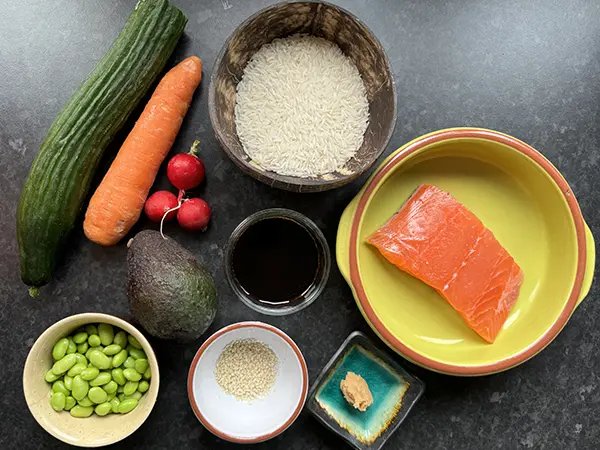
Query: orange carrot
x,y
119,200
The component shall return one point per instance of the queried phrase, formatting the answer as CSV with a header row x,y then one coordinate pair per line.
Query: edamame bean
x,y
120,339
51,377
119,358
85,401
76,369
81,359
59,386
87,353
68,382
143,386
132,375
117,375
80,337
91,329
136,353
130,387
72,348
69,403
89,373
137,395
141,365
110,387
83,348
107,333
134,342
103,409
58,401
111,350
114,403
80,388
148,373
64,364
60,349
94,340
99,359
97,395
81,411
102,379
127,405
120,389
129,362
111,396
121,397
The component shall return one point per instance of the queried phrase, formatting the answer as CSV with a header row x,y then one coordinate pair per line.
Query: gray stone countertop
x,y
529,68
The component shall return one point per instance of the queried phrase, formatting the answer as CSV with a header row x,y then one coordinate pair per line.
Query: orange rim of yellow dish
x,y
541,342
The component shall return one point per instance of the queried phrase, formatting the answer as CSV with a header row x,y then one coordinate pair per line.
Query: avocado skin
x,y
170,294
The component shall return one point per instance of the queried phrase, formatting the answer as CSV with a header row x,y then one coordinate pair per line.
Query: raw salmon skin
x,y
438,240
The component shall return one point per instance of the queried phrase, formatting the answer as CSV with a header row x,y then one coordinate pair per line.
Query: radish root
x,y
165,215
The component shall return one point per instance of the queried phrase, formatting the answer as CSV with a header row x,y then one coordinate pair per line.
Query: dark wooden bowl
x,y
319,19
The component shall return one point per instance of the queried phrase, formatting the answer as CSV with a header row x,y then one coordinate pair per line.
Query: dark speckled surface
x,y
530,68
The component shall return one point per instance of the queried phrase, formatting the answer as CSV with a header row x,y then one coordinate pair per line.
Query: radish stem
x,y
194,148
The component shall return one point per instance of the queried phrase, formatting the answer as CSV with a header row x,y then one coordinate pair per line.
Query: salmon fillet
x,y
436,239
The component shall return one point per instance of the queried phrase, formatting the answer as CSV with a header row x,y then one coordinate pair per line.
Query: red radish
x,y
194,214
158,204
185,170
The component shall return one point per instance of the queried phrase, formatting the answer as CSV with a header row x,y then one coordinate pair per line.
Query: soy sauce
x,y
275,260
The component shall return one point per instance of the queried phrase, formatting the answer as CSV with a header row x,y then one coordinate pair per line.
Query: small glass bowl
x,y
315,289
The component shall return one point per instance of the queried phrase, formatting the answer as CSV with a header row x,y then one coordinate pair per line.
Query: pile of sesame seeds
x,y
246,369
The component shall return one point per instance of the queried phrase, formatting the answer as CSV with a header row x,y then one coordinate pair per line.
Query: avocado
x,y
170,294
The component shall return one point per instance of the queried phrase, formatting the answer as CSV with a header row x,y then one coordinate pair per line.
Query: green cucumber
x,y
60,176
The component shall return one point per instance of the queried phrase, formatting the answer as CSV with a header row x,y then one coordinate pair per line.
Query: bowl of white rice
x,y
302,97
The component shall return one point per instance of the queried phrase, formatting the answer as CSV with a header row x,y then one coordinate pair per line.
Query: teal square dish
x,y
394,391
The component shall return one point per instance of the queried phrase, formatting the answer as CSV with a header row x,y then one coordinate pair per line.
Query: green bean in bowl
x,y
95,367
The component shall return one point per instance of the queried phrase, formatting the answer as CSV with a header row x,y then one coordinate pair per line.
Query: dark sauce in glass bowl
x,y
275,260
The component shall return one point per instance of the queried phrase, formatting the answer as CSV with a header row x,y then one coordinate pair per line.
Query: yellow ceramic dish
x,y
521,198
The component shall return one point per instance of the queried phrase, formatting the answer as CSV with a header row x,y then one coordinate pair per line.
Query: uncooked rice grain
x,y
247,369
301,107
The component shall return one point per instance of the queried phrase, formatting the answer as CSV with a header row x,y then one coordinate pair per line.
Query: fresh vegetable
x,y
69,403
94,340
106,333
143,386
170,294
97,395
119,200
158,204
185,170
103,409
127,405
194,214
89,374
83,390
60,175
117,375
81,411
60,349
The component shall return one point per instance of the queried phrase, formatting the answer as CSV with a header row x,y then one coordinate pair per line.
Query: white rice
x,y
301,108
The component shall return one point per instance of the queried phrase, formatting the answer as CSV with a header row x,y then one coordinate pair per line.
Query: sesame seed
x,y
247,369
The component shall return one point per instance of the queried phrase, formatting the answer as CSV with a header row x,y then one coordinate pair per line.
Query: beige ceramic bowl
x,y
93,431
